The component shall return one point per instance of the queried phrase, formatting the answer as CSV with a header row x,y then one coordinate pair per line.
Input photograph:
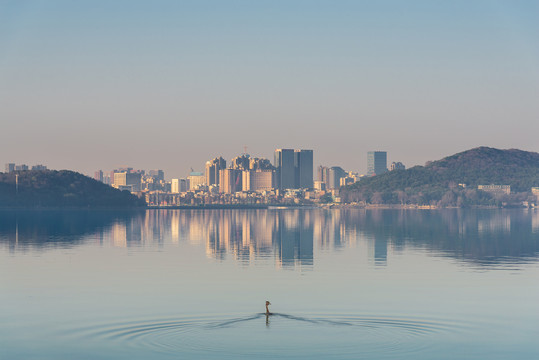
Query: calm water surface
x,y
344,284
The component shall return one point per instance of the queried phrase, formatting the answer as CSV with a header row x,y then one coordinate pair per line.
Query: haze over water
x,y
168,284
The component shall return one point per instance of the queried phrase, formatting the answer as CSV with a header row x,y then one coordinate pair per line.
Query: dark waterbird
x,y
267,310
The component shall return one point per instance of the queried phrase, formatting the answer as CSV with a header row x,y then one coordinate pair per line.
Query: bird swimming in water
x,y
267,310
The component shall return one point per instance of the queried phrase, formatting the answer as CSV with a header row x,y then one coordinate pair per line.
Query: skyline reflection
x,y
291,237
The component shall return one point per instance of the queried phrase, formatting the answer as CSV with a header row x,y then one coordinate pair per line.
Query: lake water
x,y
344,284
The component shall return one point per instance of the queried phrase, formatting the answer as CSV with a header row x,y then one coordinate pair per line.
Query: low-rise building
x,y
495,189
39,167
535,191
345,181
320,185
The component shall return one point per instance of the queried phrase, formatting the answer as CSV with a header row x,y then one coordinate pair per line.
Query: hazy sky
x,y
89,85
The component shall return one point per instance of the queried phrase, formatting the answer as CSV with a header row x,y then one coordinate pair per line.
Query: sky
x,y
88,85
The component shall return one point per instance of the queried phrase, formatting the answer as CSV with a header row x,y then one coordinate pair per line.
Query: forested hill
x,y
430,183
48,188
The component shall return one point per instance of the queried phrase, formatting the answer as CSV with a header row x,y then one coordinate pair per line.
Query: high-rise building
x,y
178,186
241,162
376,162
106,179
260,164
98,175
158,175
257,180
184,185
303,166
10,167
335,174
39,167
175,186
212,170
322,173
230,181
130,180
22,167
285,171
196,179
294,169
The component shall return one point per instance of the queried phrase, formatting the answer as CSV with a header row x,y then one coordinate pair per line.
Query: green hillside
x,y
61,189
437,183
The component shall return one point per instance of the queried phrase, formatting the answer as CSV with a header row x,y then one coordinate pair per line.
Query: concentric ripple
x,y
286,335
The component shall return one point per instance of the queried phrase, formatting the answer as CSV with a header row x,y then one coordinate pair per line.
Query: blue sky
x,y
92,85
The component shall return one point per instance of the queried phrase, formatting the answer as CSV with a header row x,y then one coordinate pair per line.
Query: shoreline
x,y
415,207
257,207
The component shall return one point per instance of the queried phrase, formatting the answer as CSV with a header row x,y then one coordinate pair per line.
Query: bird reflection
x,y
267,313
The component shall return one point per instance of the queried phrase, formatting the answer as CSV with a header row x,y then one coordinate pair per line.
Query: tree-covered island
x,y
454,181
60,189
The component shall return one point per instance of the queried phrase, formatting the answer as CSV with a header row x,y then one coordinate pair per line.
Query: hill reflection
x,y
23,229
483,237
290,237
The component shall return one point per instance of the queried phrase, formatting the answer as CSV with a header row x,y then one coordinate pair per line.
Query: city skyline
x,y
91,85
299,169
208,169
370,169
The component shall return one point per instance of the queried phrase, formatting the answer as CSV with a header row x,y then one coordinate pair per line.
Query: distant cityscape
x,y
246,180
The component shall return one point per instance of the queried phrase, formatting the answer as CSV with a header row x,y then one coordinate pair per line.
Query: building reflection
x,y
535,221
293,238
118,234
379,250
249,235
290,238
244,235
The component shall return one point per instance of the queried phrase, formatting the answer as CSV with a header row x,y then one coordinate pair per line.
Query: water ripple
x,y
277,335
